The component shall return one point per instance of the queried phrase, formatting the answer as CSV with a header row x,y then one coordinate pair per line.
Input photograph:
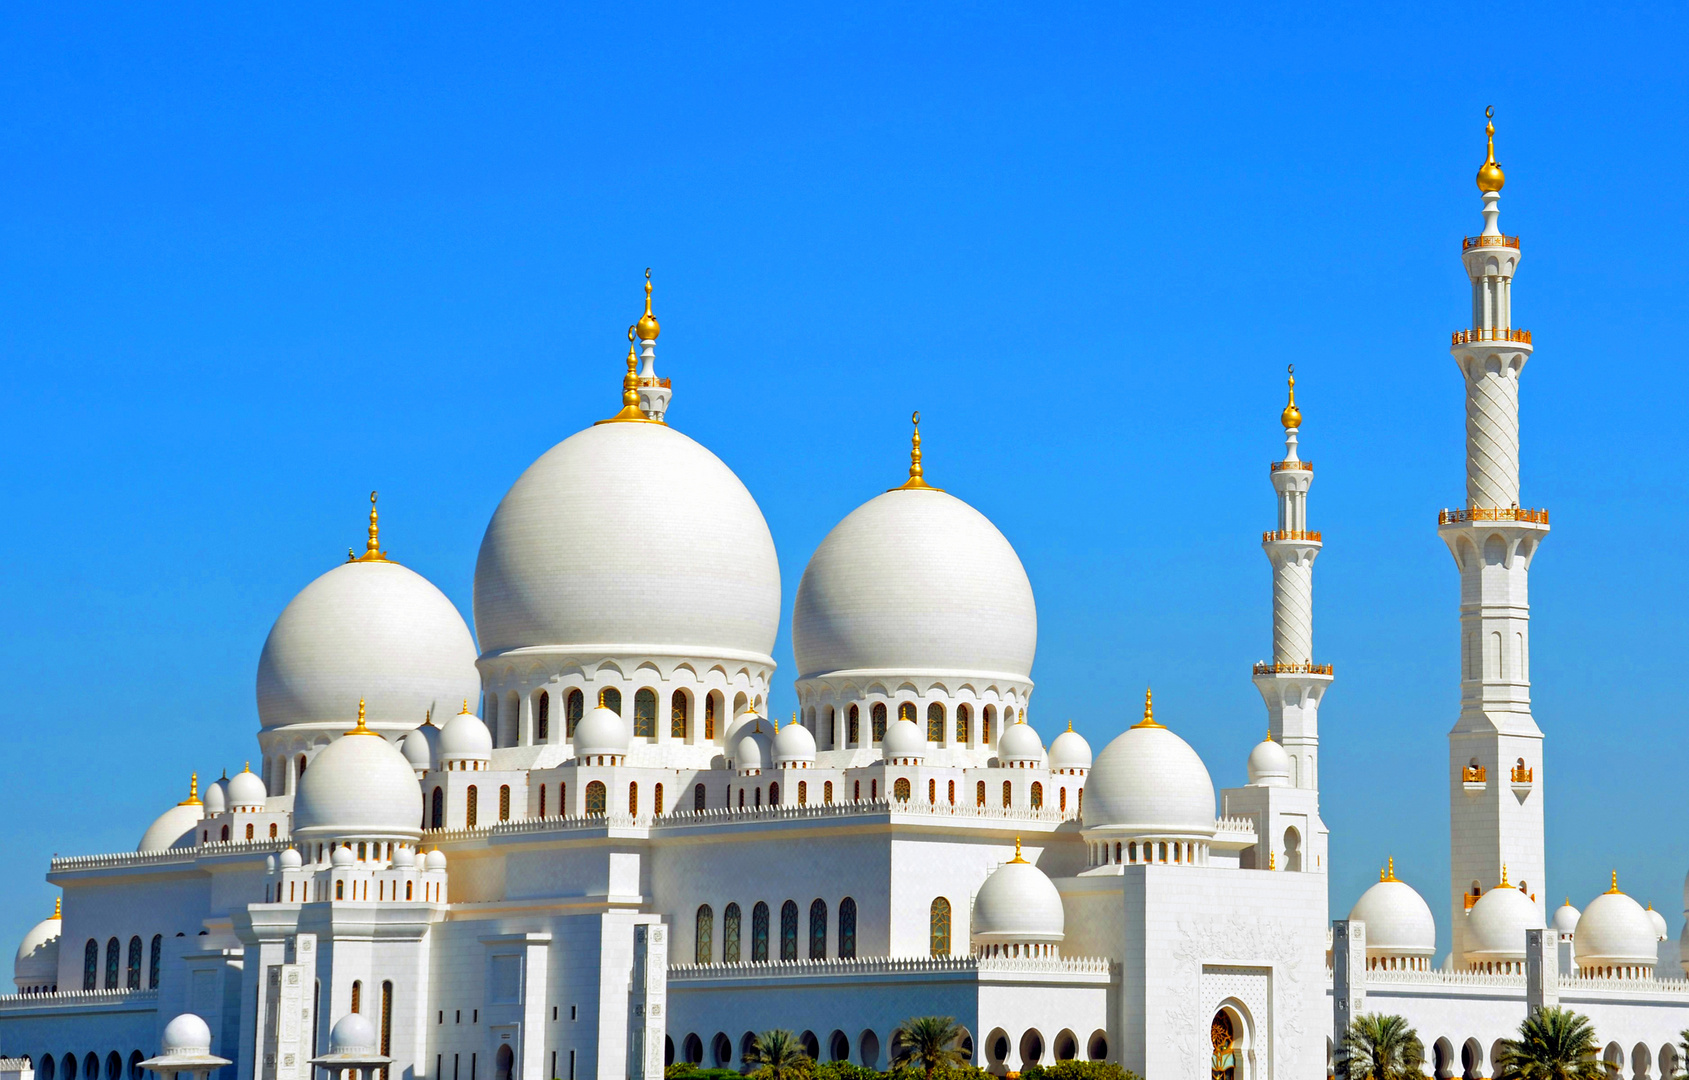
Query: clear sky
x,y
254,264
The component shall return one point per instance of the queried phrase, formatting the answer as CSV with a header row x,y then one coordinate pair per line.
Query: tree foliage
x,y
1383,1048
929,1043
778,1055
1553,1044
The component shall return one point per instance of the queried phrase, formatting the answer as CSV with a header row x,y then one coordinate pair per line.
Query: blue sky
x,y
254,264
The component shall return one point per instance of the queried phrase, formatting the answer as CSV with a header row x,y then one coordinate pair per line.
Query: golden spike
x,y
1017,857
193,791
362,728
1390,870
601,692
465,711
1504,884
56,909
1070,725
647,325
372,547
630,413
1291,417
917,480
1272,860
1149,713
1615,887
1490,176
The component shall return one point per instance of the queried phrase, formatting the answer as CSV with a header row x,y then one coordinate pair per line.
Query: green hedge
x,y
845,1070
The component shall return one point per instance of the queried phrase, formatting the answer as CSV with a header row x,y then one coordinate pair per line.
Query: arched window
x,y
1008,717
827,793
439,808
340,891
657,800
730,934
906,711
678,715
386,1024
698,798
504,802
542,800
985,725
952,793
803,793
789,931
818,929
759,933
702,945
90,966
595,797
133,976
1063,806
135,1070
935,723
407,890
633,800
225,835
774,794
877,716
711,708
1293,850
932,791
249,830
853,726
611,698
542,718
157,955
272,830
964,721
900,789
856,791
1008,794
1037,795
939,927
847,929
979,794
472,799
645,714
573,704
112,960
357,997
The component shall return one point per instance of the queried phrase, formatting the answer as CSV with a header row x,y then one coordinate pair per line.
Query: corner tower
x,y
1495,748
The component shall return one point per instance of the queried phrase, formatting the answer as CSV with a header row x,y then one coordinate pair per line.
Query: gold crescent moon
x,y
916,419
1489,112
630,334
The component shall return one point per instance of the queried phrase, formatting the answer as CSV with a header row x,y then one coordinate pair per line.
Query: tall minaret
x,y
1293,684
654,393
1495,749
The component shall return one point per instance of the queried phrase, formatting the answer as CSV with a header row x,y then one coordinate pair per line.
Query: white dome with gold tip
x,y
36,966
1496,925
1398,921
1149,782
360,787
177,826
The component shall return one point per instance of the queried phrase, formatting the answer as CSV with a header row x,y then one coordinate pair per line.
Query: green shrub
x,y
1079,1070
845,1070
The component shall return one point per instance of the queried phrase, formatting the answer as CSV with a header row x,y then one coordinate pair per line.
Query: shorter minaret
x,y
654,393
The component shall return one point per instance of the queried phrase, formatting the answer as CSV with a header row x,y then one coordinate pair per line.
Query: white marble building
x,y
575,845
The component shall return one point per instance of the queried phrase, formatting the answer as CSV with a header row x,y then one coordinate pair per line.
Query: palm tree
x,y
779,1055
1383,1048
932,1042
1553,1044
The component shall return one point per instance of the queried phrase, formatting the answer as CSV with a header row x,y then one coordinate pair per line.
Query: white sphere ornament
x,y
178,826
1496,925
435,860
1615,931
465,737
352,1034
291,859
602,733
1069,752
1019,744
246,790
1269,765
186,1035
217,797
754,747
793,745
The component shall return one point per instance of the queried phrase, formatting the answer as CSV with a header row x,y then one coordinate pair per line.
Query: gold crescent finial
x,y
648,328
1149,712
1291,417
1490,176
372,547
630,390
56,910
917,480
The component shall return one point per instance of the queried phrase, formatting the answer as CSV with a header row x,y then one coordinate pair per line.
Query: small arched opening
x,y
502,1062
1097,1048
838,1046
811,1045
997,1049
1066,1045
868,1043
1292,849
692,1049
1472,1060
1031,1048
721,1050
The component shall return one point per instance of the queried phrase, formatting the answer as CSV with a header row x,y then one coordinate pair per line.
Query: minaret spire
x,y
1495,747
654,393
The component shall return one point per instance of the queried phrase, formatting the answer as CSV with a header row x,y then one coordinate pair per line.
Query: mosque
x,y
576,845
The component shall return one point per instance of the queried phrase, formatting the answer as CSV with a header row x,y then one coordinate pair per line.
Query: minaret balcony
x,y
1474,778
1493,333
1293,669
1496,240
1289,534
647,380
1492,513
1304,466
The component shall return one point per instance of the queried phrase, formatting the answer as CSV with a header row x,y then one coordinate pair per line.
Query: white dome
x,y
1398,921
217,797
1269,765
629,538
915,580
602,732
176,827
185,1035
793,744
341,856
1018,904
422,747
246,789
1565,919
352,1034
358,786
1660,928
404,856
1069,750
904,739
1496,925
37,961
1148,781
370,630
435,860
753,748
291,859
1614,930
1020,743
465,738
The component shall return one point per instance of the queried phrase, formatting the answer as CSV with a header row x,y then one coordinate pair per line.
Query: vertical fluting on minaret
x,y
1495,748
1292,684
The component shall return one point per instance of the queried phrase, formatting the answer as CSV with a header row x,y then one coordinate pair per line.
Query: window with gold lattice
x,y
906,711
900,789
679,715
935,723
1037,796
939,927
1224,1065
595,793
645,714
853,726
878,714
572,705
709,715
542,718
472,802
964,719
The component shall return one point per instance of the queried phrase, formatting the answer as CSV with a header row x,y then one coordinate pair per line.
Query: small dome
x,y
1496,925
1269,765
1659,922
185,1035
1020,744
176,827
436,860
754,748
1018,904
352,1034
342,856
793,744
905,739
1149,782
465,738
360,786
602,733
1069,751
1398,921
246,789
291,859
404,856
1565,919
422,747
37,961
1615,930
217,797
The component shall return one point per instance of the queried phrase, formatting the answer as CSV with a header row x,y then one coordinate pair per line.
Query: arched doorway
x,y
503,1062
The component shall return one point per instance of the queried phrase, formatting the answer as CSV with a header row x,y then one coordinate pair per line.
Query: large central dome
x,y
628,538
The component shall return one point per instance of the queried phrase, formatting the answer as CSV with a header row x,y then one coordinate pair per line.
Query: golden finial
x,y
1149,712
1615,887
647,324
1269,734
362,728
630,392
248,767
465,711
1504,884
916,481
1389,872
372,548
1272,860
1017,857
1070,725
56,909
1291,417
193,791
1490,177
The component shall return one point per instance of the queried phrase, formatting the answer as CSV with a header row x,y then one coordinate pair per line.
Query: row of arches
x,y
866,1046
115,962
1150,851
225,834
824,723
677,715
1471,1060
731,952
90,1066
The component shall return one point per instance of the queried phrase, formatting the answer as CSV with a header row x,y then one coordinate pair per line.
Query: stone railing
x,y
1578,984
1470,242
1468,337
897,965
1293,669
90,998
1573,984
1303,466
1288,534
1492,513
167,856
